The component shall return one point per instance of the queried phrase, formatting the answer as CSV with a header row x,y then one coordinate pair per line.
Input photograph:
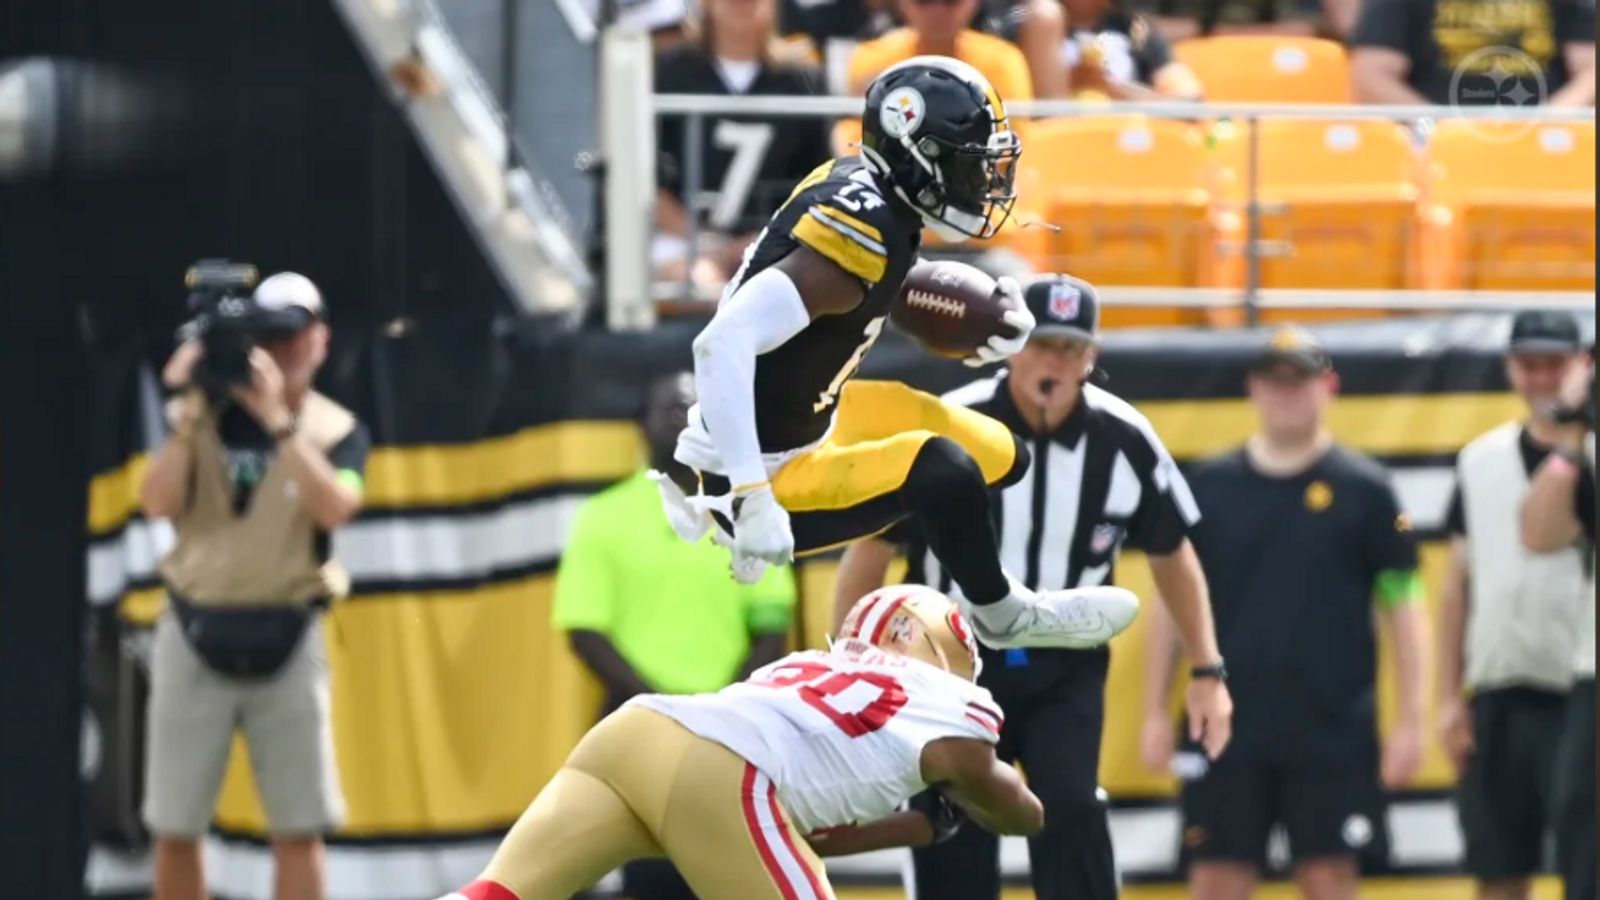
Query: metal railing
x,y
1252,297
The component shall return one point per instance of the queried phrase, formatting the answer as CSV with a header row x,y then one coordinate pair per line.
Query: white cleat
x,y
1077,619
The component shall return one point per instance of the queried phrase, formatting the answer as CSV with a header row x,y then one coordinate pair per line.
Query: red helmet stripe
x,y
883,621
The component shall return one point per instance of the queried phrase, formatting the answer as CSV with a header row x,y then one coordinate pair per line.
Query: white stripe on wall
x,y
462,546
1425,494
130,555
1422,833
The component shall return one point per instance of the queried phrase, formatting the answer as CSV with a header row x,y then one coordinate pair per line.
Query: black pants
x,y
1575,831
1055,707
654,879
1506,797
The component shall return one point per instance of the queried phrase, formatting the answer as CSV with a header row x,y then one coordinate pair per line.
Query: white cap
x,y
291,297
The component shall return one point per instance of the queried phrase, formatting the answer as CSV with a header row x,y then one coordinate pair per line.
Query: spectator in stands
x,y
831,29
1559,514
1099,51
748,164
944,27
254,480
1180,20
648,613
1458,52
1509,624
1306,550
666,21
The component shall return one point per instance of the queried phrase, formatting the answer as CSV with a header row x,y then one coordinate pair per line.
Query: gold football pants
x,y
641,785
845,489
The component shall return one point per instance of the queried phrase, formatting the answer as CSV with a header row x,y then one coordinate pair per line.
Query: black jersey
x,y
747,163
841,212
1293,563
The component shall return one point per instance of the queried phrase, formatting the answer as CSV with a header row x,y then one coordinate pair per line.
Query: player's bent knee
x,y
942,469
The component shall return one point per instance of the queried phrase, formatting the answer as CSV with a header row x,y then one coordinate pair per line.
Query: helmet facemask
x,y
969,189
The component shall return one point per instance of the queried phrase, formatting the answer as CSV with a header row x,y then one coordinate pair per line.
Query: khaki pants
x,y
286,722
641,785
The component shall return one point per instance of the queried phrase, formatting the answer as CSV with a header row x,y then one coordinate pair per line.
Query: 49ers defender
x,y
729,785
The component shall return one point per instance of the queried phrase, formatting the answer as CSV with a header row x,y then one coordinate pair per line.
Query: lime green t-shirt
x,y
672,609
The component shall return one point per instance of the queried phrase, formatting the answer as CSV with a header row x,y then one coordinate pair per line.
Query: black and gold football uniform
x,y
856,439
840,212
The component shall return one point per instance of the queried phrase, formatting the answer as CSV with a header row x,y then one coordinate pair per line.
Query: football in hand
x,y
950,308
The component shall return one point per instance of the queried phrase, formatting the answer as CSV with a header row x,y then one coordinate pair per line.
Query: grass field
x,y
1373,889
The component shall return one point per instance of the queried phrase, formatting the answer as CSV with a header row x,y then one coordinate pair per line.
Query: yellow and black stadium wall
x,y
454,700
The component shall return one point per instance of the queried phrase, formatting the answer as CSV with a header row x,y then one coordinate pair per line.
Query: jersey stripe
x,y
752,821
850,221
984,722
992,714
816,175
786,832
848,249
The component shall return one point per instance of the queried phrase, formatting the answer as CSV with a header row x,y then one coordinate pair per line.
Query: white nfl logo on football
x,y
1064,301
902,112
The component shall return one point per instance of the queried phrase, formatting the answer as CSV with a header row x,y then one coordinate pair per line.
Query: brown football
x,y
950,308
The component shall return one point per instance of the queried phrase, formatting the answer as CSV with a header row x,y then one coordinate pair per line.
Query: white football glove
x,y
688,522
761,536
1000,347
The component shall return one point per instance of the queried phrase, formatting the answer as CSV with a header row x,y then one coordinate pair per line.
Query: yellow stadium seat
x,y
1510,206
1131,197
1338,204
1260,68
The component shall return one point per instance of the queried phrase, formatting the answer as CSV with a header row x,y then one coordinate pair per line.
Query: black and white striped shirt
x,y
1101,480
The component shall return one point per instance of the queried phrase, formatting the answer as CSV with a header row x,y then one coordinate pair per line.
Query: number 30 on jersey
x,y
858,702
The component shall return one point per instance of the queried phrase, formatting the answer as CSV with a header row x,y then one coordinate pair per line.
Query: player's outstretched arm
x,y
901,829
988,790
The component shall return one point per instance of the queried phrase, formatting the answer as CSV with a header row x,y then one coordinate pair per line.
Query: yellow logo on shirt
x,y
1402,523
1318,496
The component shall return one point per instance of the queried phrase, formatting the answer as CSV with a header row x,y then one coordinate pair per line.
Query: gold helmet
x,y
918,622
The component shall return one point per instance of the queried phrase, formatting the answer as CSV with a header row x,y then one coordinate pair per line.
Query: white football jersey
x,y
840,732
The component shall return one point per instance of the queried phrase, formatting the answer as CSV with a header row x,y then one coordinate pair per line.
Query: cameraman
x,y
1558,514
254,476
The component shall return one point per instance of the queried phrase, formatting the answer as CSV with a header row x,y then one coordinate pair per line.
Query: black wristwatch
x,y
1217,670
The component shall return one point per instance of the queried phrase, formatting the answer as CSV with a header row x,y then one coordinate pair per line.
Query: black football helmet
x,y
936,130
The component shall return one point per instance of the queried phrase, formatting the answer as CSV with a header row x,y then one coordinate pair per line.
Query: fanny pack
x,y
249,642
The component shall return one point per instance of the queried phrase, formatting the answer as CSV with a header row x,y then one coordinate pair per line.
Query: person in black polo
x,y
1302,539
1100,479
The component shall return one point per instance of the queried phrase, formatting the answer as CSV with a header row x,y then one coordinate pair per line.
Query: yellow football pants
x,y
844,489
641,785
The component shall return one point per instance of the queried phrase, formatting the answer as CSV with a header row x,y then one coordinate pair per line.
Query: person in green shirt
x,y
648,613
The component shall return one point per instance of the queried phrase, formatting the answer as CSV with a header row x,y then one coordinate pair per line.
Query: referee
x,y
1100,479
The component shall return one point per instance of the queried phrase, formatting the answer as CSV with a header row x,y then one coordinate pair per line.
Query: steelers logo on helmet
x,y
902,112
937,133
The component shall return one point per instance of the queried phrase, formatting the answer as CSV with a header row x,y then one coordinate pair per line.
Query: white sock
x,y
998,617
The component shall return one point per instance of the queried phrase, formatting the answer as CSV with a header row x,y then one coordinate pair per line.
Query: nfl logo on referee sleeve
x,y
1103,538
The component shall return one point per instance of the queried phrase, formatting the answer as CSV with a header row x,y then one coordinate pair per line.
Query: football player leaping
x,y
744,788
793,455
